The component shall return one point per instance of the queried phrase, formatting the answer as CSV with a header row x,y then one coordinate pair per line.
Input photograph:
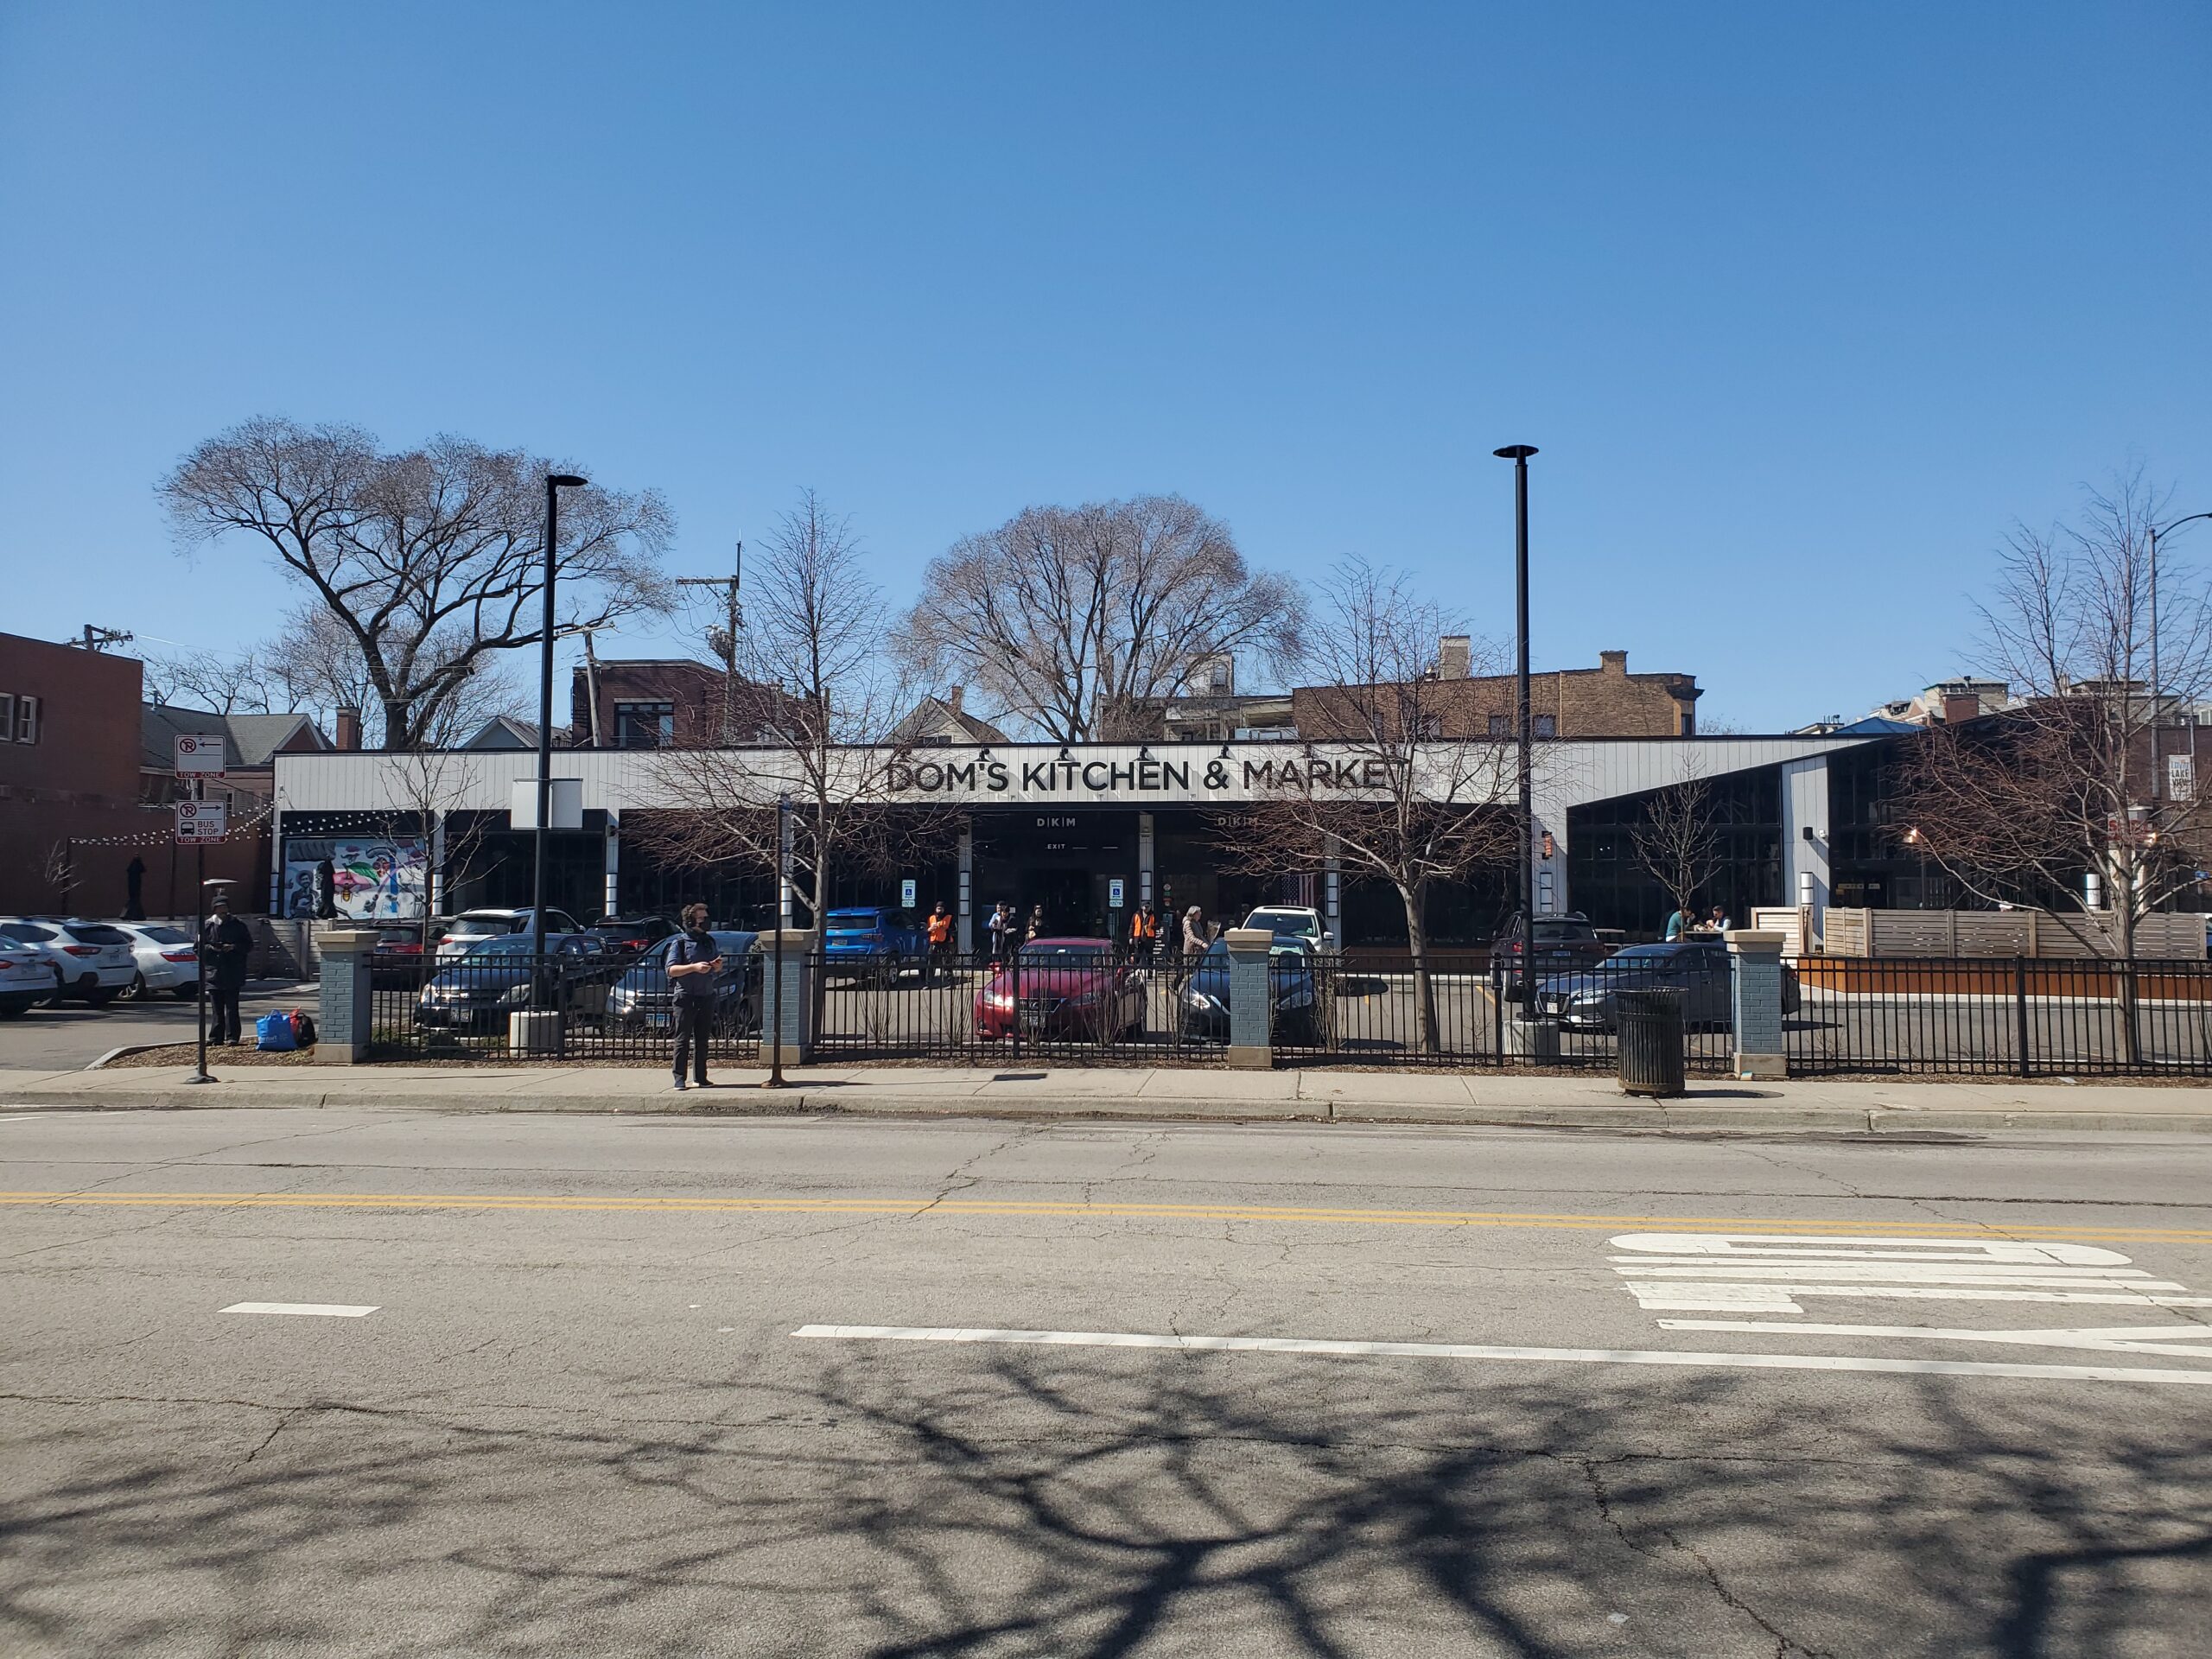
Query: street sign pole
x,y
199,949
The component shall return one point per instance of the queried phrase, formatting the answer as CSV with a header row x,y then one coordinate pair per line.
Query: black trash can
x,y
1650,1025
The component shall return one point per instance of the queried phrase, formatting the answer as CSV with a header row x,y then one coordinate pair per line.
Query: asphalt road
x,y
652,1385
65,1035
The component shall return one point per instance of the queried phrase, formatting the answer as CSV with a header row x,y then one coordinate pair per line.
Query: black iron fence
x,y
2020,1017
619,1009
1044,1003
1994,1017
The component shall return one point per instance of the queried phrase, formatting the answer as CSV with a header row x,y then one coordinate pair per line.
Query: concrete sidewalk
x,y
1185,1092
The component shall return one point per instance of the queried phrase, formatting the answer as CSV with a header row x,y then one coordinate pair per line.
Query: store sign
x,y
2181,778
202,820
1134,777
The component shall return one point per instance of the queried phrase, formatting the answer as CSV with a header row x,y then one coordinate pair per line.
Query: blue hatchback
x,y
875,941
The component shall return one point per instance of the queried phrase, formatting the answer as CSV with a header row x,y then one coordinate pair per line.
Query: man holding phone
x,y
694,964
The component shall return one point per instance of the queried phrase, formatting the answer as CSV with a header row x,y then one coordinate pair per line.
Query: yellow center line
x,y
923,1207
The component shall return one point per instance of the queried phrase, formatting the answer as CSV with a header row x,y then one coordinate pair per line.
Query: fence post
x,y
1755,992
2021,1008
1014,990
795,1038
1251,999
345,1006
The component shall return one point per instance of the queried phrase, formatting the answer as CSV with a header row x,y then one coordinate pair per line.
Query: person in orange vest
x,y
1144,932
940,927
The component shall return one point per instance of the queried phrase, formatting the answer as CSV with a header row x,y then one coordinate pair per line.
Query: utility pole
x,y
724,640
95,639
1518,453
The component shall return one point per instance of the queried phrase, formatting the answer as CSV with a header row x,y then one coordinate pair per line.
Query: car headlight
x,y
516,993
1202,1003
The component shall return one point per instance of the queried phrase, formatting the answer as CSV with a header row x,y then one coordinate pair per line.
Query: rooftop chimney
x,y
953,702
1961,706
349,729
1453,651
1612,662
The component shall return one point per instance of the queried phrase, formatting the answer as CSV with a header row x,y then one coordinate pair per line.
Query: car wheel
x,y
137,991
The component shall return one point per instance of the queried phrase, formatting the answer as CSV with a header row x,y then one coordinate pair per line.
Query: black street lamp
x,y
2158,784
776,968
1518,453
554,482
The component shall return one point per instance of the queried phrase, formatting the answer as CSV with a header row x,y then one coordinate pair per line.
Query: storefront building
x,y
1066,827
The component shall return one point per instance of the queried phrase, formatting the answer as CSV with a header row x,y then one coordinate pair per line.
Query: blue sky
x,y
1802,305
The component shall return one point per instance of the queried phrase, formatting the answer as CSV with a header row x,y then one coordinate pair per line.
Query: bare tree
x,y
1391,798
1676,840
1075,619
2017,807
815,626
428,560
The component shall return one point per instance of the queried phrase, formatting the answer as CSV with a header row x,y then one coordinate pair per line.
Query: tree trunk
x,y
2121,898
1424,989
396,711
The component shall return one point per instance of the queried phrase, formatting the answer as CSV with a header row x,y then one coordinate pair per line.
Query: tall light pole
x,y
1518,453
776,989
2158,784
554,482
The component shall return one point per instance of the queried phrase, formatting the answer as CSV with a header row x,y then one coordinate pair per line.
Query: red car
x,y
1069,989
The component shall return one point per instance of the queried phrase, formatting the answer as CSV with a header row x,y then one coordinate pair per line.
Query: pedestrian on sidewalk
x,y
694,964
1194,939
1000,927
226,945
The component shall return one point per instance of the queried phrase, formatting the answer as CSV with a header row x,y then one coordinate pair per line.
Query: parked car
x,y
871,942
400,959
477,992
644,999
1081,989
1563,944
167,958
90,961
1293,984
25,980
631,936
1698,968
472,927
1294,921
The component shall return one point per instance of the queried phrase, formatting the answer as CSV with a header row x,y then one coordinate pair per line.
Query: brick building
x,y
1606,701
76,802
654,703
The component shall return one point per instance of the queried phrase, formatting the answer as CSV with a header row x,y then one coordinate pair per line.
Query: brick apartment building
x,y
653,702
1606,701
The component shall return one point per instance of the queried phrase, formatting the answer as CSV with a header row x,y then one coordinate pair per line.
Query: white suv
x,y
1295,920
90,961
472,927
25,980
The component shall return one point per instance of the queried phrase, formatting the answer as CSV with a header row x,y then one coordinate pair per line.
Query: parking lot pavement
x,y
65,1036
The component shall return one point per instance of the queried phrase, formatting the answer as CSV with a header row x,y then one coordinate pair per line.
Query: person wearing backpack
x,y
694,964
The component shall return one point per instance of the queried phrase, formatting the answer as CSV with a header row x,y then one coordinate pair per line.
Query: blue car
x,y
872,941
1293,987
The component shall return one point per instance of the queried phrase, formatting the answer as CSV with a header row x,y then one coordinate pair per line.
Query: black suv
x,y
1565,944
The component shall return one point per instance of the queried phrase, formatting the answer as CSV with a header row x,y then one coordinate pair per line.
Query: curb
x,y
1689,1114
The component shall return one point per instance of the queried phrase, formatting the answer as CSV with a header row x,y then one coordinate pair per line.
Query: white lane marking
x,y
327,1310
2165,1339
1754,1272
1474,1351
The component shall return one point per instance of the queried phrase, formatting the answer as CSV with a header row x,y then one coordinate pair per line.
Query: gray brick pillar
x,y
1251,999
345,1011
795,1033
1756,1002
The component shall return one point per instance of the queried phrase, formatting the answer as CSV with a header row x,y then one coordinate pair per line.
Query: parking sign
x,y
1113,893
906,894
199,752
202,820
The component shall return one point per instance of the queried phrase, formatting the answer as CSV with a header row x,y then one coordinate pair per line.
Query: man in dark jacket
x,y
225,945
694,964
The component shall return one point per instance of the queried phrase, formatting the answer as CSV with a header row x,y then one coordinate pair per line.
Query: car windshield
x,y
853,918
512,944
166,935
1281,921
1558,932
479,927
1064,951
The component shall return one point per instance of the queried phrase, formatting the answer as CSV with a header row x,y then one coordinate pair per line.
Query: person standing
x,y
1002,928
1194,938
940,936
695,964
226,946
134,890
1036,928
